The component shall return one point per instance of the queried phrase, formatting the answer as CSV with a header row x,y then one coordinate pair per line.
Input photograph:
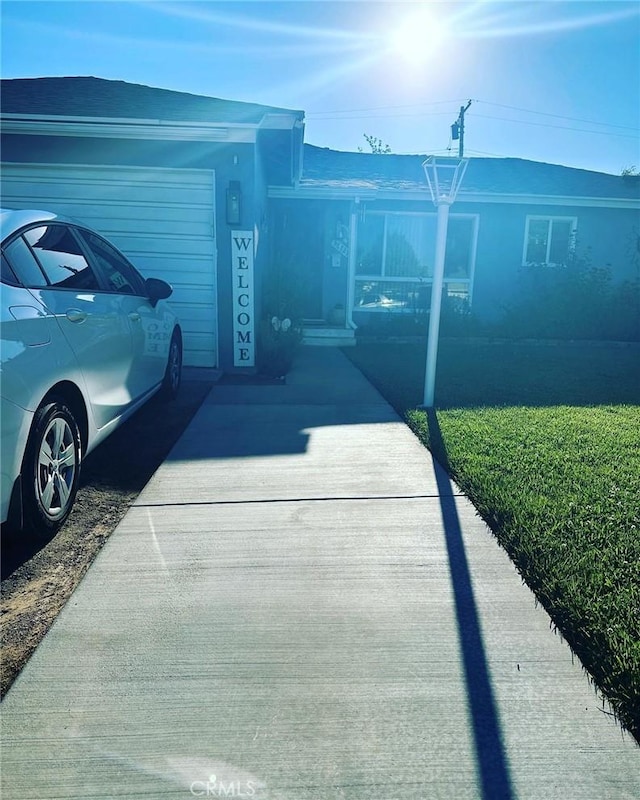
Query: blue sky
x,y
551,81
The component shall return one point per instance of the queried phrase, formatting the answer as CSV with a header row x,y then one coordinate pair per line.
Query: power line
x,y
488,116
485,153
384,116
557,116
382,108
556,127
323,115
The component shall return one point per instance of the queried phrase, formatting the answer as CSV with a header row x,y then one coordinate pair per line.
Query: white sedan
x,y
86,340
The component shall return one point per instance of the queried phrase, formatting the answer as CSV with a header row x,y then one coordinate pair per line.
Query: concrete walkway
x,y
301,606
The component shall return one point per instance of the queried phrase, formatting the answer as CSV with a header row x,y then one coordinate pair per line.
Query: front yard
x,y
545,440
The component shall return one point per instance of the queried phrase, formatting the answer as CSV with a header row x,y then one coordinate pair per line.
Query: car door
x,y
89,317
149,324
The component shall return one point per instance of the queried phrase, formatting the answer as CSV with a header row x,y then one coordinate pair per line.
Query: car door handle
x,y
75,315
134,316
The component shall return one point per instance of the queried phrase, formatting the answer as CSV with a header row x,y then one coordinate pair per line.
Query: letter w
x,y
242,244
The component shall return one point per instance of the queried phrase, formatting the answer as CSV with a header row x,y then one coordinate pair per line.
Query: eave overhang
x,y
370,193
148,129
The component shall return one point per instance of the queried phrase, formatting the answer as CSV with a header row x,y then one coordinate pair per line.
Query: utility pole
x,y
457,129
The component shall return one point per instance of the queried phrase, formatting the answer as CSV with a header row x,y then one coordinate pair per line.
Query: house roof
x,y
326,169
88,97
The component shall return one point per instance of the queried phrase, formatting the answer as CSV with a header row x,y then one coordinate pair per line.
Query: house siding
x,y
498,255
609,237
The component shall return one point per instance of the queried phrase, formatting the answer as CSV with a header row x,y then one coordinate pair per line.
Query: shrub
x,y
277,344
576,301
456,319
280,330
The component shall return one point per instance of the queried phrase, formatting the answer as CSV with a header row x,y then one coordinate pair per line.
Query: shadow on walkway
x,y
490,750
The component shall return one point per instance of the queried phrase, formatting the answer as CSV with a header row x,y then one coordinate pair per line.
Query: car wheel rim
x,y
56,468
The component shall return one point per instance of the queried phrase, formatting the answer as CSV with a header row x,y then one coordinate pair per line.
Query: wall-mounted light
x,y
234,203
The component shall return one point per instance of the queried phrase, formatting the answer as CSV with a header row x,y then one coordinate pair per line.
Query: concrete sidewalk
x,y
301,606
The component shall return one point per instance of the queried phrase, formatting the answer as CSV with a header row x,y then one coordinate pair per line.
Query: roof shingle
x,y
98,97
332,169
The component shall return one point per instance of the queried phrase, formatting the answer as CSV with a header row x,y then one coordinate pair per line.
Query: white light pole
x,y
444,176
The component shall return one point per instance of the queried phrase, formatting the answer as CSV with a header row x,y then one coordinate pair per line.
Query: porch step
x,y
328,337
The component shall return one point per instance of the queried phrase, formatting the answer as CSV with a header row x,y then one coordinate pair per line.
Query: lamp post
x,y
444,176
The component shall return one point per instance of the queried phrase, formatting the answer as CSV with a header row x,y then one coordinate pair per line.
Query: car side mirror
x,y
158,289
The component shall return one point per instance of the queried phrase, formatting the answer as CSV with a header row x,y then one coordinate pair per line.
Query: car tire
x,y
51,468
173,373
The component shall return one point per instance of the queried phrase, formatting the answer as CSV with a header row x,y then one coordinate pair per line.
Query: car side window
x,y
61,258
119,275
23,264
8,275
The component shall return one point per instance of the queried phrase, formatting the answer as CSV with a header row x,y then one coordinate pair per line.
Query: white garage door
x,y
162,219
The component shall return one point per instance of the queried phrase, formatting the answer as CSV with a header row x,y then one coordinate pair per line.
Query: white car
x,y
86,340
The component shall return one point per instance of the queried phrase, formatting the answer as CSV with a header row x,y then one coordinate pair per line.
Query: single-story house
x,y
363,228
218,196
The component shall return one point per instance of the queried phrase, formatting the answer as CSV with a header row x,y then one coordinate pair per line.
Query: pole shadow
x,y
491,757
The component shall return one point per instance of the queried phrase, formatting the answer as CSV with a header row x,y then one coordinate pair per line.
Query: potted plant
x,y
337,316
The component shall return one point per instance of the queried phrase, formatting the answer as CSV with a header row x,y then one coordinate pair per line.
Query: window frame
x,y
83,234
549,219
19,273
9,277
381,278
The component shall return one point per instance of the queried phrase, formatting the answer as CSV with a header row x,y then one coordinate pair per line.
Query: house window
x,y
396,245
549,240
395,256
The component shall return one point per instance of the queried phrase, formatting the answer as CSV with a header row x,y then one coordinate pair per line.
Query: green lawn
x,y
545,440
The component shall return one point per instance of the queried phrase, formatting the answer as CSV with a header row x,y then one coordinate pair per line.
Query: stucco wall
x,y
606,237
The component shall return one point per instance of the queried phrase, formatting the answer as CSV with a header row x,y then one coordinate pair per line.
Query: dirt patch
x,y
39,578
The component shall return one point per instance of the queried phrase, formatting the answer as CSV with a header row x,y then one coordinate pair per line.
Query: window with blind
x,y
395,257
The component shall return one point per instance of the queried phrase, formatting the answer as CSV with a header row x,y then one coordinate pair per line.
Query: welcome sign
x,y
244,332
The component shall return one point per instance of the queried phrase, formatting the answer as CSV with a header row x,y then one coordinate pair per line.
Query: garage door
x,y
162,219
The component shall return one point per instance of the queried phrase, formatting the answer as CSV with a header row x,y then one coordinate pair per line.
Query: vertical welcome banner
x,y
244,329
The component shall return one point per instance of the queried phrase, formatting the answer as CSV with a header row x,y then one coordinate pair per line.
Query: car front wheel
x,y
51,468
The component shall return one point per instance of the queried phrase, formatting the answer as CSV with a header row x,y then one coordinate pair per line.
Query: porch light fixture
x,y
444,177
234,203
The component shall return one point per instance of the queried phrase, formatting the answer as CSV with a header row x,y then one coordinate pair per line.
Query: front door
x,y
299,254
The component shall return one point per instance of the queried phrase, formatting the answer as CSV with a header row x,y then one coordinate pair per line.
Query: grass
x,y
545,440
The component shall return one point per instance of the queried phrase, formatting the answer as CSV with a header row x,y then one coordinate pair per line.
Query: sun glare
x,y
417,36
